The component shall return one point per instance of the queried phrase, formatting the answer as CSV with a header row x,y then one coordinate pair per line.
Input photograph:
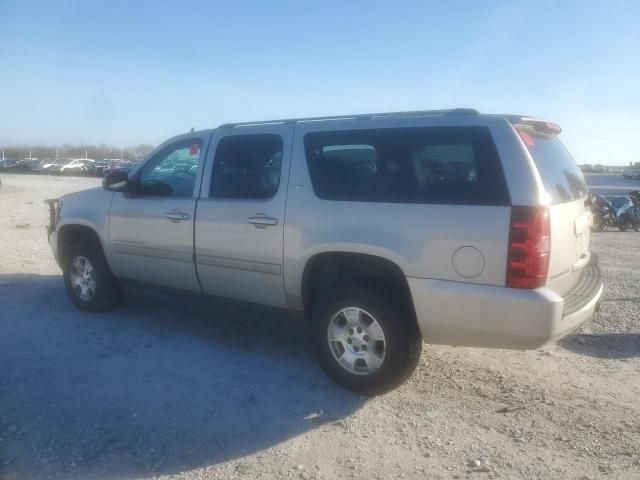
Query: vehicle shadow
x,y
158,386
607,345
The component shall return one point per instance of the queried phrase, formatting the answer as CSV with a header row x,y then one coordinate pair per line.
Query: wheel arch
x,y
327,270
72,233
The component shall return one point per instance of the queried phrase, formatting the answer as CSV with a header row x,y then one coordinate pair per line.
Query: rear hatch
x,y
567,190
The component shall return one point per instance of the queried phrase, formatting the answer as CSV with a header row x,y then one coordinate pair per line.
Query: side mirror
x,y
116,181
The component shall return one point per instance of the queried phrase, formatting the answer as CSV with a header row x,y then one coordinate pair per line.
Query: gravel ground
x,y
191,389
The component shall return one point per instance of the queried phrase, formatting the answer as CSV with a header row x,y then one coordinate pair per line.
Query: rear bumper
x,y
452,313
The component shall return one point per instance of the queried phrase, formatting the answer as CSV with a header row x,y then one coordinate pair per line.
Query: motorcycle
x,y
628,216
603,212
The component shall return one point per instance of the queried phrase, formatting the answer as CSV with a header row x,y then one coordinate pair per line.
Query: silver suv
x,y
383,229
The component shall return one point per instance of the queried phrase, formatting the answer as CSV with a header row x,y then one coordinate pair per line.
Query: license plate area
x,y
581,226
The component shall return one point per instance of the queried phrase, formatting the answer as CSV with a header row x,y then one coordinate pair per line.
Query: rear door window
x,y
560,175
247,166
443,165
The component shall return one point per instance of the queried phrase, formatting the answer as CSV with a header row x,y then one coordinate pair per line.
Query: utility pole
x,y
121,155
3,154
85,154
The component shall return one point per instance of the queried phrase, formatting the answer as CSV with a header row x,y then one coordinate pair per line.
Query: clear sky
x,y
127,72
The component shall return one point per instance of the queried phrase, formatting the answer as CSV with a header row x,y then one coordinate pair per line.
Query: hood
x,y
83,194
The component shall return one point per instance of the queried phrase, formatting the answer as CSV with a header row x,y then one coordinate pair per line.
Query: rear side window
x,y
247,166
444,165
560,175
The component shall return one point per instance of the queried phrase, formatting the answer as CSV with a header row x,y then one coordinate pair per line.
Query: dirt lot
x,y
178,388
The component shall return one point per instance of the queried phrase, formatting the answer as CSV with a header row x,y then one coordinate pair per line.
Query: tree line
x,y
95,152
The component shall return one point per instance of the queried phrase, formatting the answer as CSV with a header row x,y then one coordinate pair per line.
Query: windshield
x,y
561,177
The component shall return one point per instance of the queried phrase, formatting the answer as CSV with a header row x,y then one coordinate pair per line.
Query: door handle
x,y
176,215
261,221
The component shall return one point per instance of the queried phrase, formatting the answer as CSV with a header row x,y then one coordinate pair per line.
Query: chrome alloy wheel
x,y
83,278
356,341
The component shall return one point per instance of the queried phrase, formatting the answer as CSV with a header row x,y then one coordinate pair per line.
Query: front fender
x,y
90,209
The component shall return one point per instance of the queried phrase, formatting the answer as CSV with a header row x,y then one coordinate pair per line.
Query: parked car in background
x,y
79,166
52,165
32,164
8,163
19,165
631,173
37,166
119,165
101,166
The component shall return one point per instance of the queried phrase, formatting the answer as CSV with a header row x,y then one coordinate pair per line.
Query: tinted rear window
x,y
444,165
247,166
561,176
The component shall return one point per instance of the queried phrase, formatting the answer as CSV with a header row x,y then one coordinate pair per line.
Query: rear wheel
x,y
364,342
88,278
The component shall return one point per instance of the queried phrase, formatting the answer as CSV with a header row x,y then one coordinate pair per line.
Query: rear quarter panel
x,y
420,238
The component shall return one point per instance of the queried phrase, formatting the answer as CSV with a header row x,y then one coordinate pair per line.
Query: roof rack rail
x,y
359,116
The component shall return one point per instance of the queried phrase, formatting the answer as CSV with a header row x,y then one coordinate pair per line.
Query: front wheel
x,y
364,342
88,278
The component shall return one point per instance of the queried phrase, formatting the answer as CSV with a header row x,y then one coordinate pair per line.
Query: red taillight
x,y
529,247
526,138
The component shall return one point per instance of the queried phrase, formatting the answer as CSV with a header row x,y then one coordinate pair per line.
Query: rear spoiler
x,y
537,124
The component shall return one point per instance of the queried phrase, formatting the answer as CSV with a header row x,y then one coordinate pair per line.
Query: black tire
x,y
402,338
106,292
624,223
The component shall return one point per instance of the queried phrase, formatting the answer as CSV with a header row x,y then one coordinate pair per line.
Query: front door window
x,y
172,171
